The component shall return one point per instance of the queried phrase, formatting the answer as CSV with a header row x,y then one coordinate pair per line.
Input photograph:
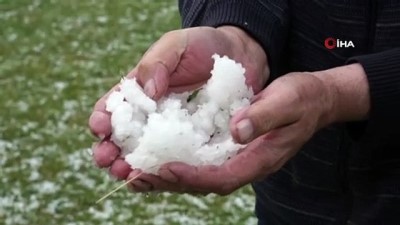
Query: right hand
x,y
179,61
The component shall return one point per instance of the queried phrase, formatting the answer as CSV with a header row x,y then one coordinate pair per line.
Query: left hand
x,y
279,121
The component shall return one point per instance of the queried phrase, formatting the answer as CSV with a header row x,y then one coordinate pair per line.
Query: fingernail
x,y
150,88
167,175
245,130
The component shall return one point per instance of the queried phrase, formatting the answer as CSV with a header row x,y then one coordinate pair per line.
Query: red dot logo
x,y
330,43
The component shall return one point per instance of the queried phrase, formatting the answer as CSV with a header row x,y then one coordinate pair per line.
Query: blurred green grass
x,y
56,58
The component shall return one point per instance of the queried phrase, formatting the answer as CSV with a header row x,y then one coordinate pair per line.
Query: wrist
x,y
347,91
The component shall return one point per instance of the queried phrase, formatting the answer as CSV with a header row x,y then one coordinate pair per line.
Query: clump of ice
x,y
186,127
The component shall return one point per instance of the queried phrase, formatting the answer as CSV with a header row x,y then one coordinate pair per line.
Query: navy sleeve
x,y
267,21
383,74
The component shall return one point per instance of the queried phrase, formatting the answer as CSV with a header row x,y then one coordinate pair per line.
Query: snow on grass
x,y
56,60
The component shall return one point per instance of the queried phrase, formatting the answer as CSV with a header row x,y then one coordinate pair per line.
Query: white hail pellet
x,y
152,133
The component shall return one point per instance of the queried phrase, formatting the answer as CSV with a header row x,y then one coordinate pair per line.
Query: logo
x,y
332,43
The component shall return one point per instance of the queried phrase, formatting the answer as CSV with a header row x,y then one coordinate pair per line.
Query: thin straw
x,y
123,185
119,187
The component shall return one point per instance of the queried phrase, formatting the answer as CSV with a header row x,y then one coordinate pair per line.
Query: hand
x,y
179,61
279,121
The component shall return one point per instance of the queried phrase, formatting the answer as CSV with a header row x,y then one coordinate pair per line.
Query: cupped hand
x,y
179,61
279,121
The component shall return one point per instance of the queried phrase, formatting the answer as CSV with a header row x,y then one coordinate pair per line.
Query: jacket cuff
x,y
383,75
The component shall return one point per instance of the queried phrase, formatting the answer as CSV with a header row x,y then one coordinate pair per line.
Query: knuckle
x,y
260,122
144,66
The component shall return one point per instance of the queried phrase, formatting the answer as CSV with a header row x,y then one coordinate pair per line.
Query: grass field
x,y
56,58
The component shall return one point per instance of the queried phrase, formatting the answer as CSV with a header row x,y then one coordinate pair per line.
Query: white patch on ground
x,y
46,176
46,187
60,85
22,106
196,201
105,213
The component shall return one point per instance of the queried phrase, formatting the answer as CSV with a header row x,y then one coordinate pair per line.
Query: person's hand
x,y
279,121
179,61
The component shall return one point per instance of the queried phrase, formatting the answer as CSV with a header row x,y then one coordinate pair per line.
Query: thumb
x,y
263,115
159,62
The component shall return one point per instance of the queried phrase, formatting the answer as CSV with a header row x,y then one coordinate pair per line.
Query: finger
x,y
256,159
291,137
260,158
265,155
202,179
141,186
265,114
138,184
100,124
120,169
100,119
159,62
104,153
155,183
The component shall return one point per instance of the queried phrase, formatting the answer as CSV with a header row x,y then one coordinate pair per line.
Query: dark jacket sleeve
x,y
383,74
265,20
